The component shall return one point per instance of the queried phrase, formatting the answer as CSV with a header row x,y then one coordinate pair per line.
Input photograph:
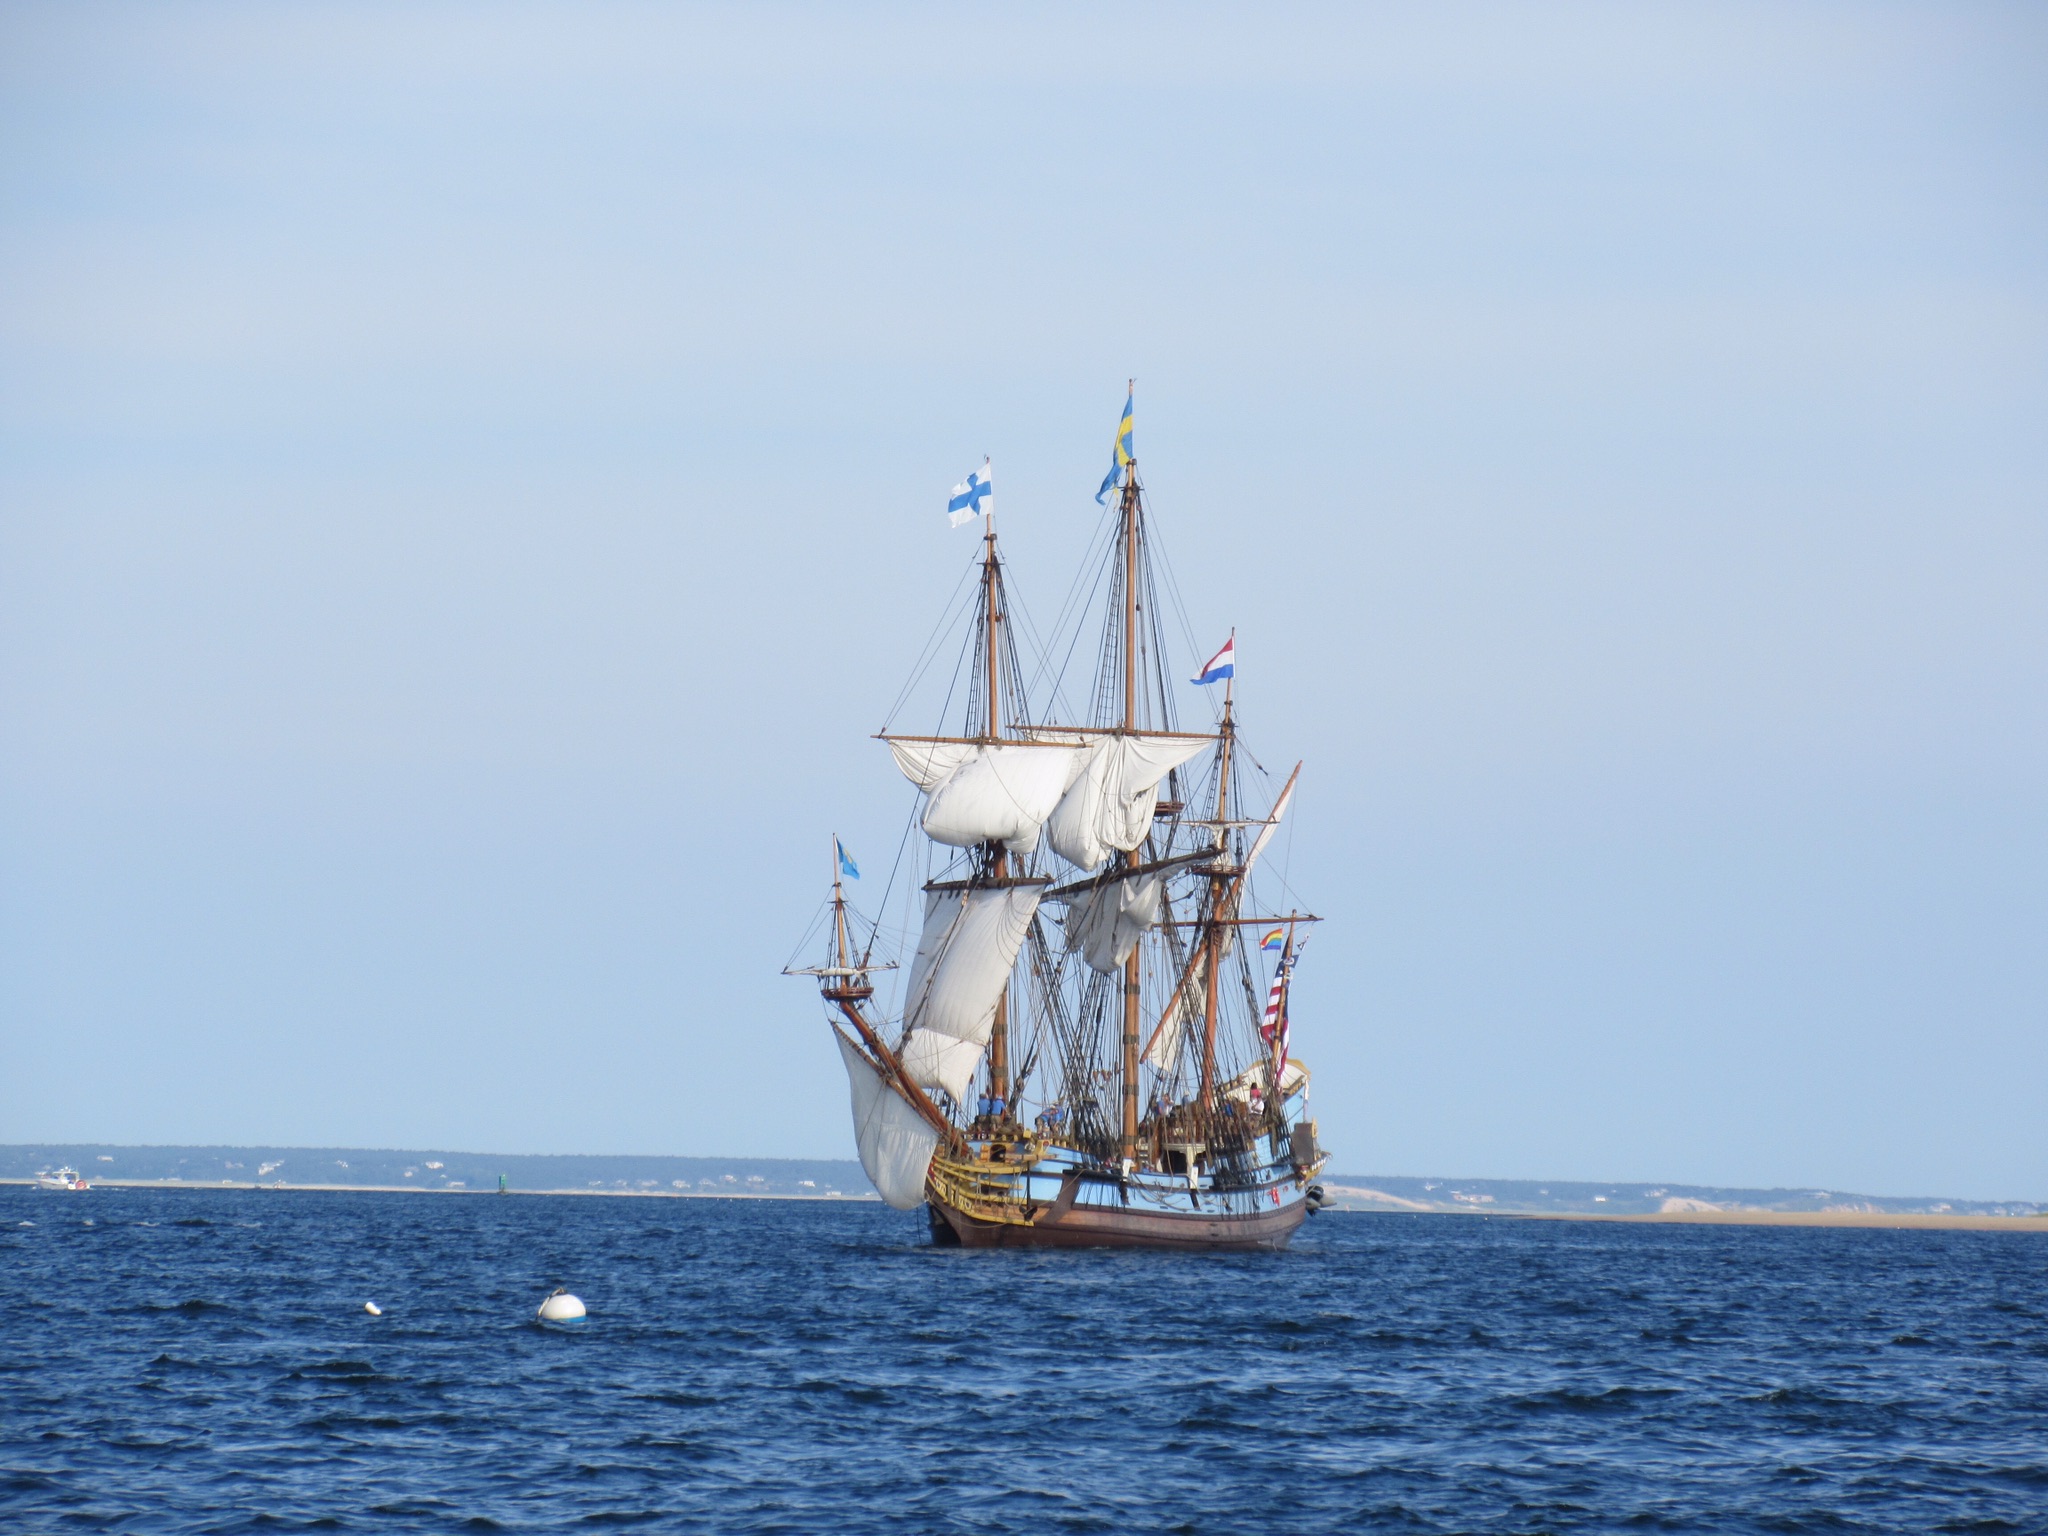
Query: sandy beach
x,y
1931,1220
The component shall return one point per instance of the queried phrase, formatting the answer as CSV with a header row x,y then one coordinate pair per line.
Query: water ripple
x,y
200,1361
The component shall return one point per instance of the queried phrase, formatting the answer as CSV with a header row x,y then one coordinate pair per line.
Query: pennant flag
x,y
1120,456
1223,664
971,493
1277,939
846,865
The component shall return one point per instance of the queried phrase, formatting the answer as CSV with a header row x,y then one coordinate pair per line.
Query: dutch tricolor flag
x,y
1223,664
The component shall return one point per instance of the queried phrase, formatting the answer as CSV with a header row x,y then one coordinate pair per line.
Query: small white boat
x,y
64,1178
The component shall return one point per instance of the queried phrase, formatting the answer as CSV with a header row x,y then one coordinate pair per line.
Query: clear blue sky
x,y
471,477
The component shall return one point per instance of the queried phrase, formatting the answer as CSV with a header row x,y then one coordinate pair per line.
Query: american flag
x,y
1274,1030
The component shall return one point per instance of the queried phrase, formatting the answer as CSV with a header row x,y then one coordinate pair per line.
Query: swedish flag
x,y
1120,460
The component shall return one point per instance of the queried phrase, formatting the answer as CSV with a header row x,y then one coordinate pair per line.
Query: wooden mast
x,y
999,866
1212,941
1230,900
1131,963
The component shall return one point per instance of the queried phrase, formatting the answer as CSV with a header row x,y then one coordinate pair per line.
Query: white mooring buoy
x,y
373,1309
561,1307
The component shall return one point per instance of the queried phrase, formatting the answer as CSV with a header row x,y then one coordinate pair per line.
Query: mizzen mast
x,y
1219,881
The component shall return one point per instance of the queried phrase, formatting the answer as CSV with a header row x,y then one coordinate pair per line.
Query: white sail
x,y
927,763
1106,922
1292,1081
977,794
1110,803
895,1141
1272,825
1163,1054
963,961
934,1060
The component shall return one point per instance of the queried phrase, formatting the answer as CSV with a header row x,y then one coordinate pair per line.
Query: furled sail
x,y
1106,922
977,794
1110,802
963,961
1260,1074
895,1141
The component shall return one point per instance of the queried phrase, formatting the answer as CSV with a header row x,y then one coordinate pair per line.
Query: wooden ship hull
x,y
1125,1229
1105,1226
1037,1196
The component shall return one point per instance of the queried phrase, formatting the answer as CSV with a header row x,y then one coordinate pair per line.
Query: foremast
x,y
998,856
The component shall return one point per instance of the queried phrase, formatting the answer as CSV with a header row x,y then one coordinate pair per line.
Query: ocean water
x,y
187,1361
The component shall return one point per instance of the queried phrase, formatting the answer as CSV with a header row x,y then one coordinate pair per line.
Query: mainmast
x,y
1131,963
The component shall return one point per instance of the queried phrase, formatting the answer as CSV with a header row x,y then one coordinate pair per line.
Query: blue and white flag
x,y
1223,664
846,865
973,496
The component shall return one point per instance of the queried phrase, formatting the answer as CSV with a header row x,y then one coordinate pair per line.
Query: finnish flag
x,y
973,496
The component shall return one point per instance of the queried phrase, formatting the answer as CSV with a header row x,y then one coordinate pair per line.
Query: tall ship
x,y
1091,1042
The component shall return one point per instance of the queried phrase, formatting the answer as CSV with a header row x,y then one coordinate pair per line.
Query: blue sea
x,y
200,1361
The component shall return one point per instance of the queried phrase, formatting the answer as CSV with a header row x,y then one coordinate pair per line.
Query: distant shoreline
x,y
1679,1203
431,1189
